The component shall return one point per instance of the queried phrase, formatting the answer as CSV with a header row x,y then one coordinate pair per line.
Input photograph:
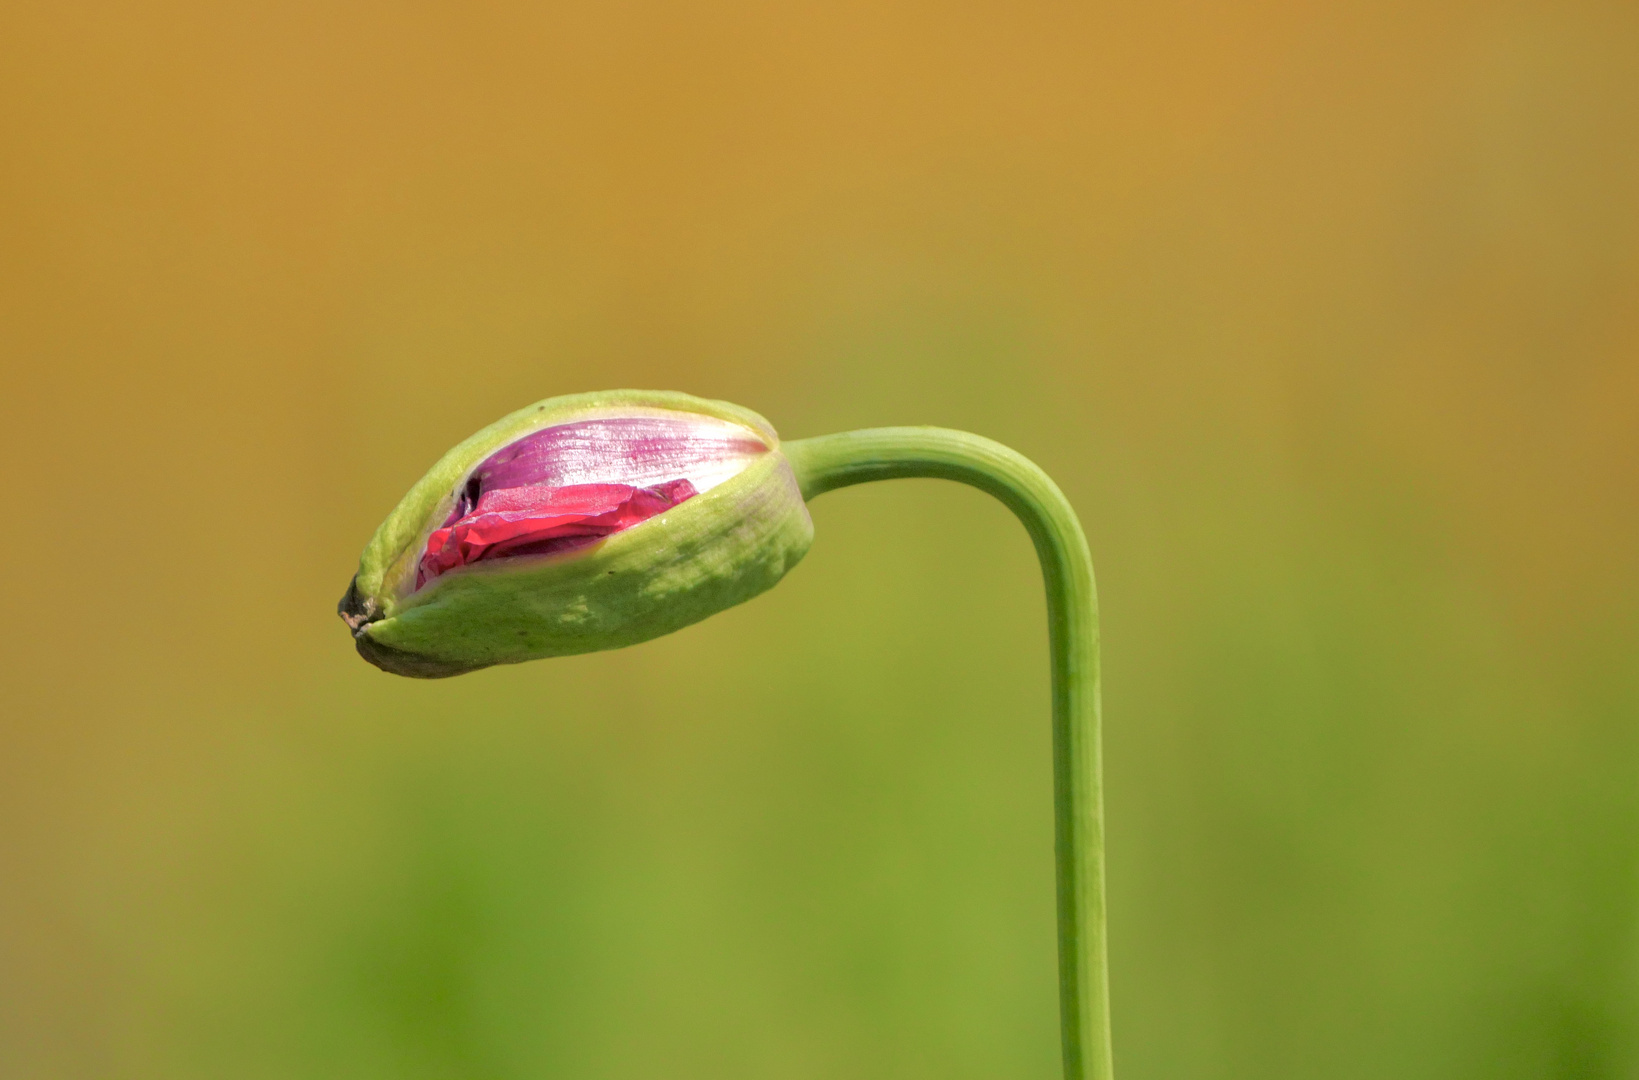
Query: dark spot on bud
x,y
355,610
465,500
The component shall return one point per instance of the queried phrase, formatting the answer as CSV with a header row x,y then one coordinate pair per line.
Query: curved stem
x,y
832,461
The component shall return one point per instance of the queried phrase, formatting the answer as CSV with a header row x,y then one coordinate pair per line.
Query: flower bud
x,y
577,524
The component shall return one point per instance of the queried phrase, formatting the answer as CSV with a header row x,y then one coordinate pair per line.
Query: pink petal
x,y
641,450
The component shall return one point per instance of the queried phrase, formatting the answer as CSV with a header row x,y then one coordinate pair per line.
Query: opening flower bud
x,y
578,524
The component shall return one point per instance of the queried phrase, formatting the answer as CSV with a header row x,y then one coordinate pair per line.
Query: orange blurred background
x,y
1326,316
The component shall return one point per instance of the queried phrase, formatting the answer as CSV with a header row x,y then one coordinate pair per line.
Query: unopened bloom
x,y
580,523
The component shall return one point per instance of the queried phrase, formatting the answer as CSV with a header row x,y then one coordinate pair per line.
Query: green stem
x,y
833,461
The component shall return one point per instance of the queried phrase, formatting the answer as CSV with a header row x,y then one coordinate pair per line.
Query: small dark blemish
x,y
357,611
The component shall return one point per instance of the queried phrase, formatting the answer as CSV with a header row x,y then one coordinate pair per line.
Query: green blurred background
x,y
1326,316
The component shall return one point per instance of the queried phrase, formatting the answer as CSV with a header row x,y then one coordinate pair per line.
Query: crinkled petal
x,y
538,520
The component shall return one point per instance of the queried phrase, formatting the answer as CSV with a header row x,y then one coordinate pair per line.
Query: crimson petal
x,y
538,520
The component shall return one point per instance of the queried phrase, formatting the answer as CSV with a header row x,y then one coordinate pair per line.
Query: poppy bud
x,y
577,524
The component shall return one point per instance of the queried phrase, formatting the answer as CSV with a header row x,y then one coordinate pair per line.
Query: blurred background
x,y
1326,317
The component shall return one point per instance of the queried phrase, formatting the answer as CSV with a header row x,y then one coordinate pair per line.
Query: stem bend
x,y
833,461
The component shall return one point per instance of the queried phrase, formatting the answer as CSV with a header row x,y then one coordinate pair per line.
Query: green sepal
x,y
715,550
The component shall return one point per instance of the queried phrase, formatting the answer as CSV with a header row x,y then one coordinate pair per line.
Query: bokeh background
x,y
1326,316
